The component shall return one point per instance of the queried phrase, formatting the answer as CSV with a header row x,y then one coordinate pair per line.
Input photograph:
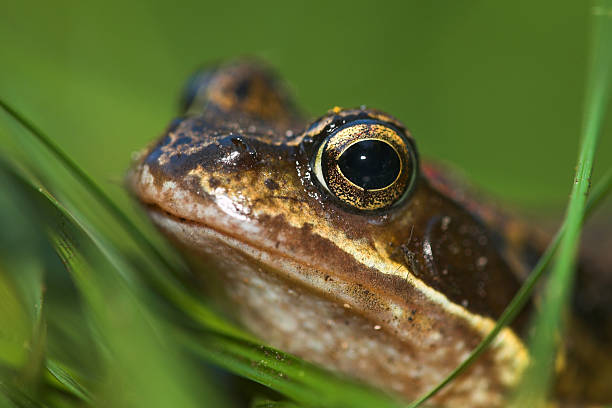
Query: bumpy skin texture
x,y
395,298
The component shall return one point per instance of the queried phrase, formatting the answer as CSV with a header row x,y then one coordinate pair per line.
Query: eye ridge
x,y
384,142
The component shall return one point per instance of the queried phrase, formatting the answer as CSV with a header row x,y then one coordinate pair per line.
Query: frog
x,y
333,240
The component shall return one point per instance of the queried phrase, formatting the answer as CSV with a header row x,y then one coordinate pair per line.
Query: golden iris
x,y
367,165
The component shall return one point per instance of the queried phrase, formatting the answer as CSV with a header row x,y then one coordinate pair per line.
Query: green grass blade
x,y
139,354
90,184
159,270
548,325
5,402
14,330
68,381
18,398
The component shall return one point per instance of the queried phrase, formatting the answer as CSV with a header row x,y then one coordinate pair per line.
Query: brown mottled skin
x,y
396,298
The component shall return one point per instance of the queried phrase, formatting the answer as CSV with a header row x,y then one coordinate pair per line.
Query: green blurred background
x,y
493,87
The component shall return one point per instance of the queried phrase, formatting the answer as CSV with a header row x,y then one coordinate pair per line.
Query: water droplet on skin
x,y
481,262
445,222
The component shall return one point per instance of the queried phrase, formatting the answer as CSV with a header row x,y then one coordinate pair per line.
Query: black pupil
x,y
370,164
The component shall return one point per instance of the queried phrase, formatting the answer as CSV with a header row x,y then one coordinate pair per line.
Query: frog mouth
x,y
215,240
293,255
204,237
179,226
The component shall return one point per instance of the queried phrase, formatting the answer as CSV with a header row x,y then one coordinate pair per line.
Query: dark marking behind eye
x,y
370,164
446,250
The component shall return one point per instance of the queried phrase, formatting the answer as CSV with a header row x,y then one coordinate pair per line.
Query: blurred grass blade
x,y
90,184
14,330
19,398
36,346
140,358
548,325
159,270
22,325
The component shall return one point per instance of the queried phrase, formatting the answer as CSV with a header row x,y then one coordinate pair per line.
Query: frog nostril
x,y
239,143
243,146
271,184
236,151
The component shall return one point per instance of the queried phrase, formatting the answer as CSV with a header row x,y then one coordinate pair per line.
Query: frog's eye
x,y
367,165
